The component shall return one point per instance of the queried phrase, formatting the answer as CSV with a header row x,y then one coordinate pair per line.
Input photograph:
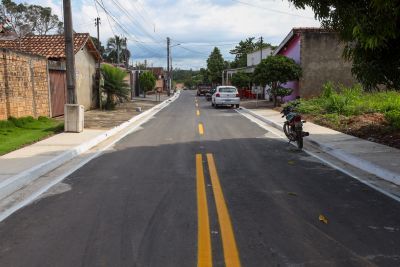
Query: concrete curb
x,y
340,154
17,181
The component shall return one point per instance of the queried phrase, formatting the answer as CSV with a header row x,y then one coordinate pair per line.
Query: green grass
x,y
15,133
352,101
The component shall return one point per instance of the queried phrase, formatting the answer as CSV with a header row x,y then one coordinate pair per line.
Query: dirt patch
x,y
372,127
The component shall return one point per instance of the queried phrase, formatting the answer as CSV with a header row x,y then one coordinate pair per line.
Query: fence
x,y
24,85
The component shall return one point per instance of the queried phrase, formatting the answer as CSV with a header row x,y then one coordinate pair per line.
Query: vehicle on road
x,y
210,93
225,96
293,126
203,89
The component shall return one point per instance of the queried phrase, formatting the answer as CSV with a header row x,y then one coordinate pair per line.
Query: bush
x,y
21,122
393,117
350,101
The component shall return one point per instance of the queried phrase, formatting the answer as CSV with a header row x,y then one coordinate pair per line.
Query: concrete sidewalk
x,y
377,159
23,166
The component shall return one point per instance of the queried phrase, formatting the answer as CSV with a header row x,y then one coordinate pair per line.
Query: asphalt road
x,y
199,186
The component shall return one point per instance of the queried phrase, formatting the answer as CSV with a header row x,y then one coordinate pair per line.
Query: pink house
x,y
319,53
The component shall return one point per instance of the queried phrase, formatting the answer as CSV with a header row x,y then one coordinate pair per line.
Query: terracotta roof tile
x,y
50,46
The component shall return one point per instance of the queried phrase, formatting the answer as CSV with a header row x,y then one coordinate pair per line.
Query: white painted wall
x,y
254,58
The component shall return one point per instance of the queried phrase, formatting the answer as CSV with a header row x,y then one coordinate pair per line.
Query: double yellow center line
x,y
231,254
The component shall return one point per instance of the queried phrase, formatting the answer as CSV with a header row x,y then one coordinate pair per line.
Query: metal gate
x,y
58,92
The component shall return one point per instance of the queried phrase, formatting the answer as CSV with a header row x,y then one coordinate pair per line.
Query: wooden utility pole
x,y
168,71
69,53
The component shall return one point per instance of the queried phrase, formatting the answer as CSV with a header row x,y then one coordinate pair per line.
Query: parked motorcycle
x,y
293,126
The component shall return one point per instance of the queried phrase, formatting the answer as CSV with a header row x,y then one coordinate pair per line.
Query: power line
x,y
273,10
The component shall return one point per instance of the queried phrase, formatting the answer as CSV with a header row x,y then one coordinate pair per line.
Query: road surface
x,y
198,186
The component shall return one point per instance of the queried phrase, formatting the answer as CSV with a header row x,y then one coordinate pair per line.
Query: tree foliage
x,y
117,50
24,19
245,47
115,86
215,66
241,79
147,81
276,70
371,32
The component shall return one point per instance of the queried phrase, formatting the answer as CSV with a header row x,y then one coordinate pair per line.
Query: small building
x,y
52,47
319,53
253,59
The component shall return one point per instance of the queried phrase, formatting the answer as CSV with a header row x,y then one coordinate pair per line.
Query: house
x,y
255,57
52,47
319,53
158,73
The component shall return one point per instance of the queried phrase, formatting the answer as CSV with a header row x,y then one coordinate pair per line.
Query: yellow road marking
x,y
198,112
204,254
201,129
231,254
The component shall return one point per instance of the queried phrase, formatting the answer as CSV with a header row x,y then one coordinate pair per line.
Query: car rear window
x,y
227,90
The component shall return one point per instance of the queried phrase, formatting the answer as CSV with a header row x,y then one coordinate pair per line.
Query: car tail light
x,y
217,95
297,119
237,95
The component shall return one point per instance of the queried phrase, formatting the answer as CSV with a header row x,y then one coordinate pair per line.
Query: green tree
x,y
245,47
115,86
97,43
24,19
215,66
117,50
42,20
147,81
274,71
241,79
371,31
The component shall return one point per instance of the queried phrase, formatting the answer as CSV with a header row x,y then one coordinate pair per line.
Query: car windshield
x,y
227,90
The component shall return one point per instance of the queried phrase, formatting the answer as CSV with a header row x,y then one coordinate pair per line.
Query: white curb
x,y
17,181
340,154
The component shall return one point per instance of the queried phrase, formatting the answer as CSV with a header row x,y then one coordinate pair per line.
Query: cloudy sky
x,y
194,26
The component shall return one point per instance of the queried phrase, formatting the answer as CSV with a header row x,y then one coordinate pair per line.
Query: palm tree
x,y
117,49
115,86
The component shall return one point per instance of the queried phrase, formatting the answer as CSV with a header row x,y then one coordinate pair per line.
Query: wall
x,y
292,50
321,61
24,86
255,57
85,65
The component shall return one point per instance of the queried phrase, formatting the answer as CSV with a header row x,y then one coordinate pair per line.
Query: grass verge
x,y
16,133
370,115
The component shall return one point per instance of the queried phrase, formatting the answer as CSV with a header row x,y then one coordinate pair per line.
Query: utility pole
x,y
73,113
97,23
261,47
69,53
168,72
117,42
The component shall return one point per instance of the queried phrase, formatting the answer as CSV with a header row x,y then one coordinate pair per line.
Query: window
x,y
227,90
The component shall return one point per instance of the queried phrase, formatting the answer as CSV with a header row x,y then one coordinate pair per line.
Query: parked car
x,y
225,96
210,93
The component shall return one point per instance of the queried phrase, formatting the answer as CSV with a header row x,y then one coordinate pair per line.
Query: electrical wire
x,y
273,10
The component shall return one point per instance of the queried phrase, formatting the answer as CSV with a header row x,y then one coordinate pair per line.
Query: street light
x,y
171,72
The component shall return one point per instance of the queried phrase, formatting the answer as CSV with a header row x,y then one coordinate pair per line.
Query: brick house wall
x,y
24,86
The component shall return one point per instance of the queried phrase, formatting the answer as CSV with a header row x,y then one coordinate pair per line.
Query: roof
x,y
297,31
50,46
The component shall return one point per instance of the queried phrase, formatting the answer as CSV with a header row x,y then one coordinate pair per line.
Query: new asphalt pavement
x,y
198,186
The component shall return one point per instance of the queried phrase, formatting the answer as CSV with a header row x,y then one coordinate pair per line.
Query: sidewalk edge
x,y
340,154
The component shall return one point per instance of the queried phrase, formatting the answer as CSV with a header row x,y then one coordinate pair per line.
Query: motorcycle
x,y
293,126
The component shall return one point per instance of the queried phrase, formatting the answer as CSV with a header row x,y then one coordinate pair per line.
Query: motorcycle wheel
x,y
299,139
286,130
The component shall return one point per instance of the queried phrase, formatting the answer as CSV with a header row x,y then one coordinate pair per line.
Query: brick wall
x,y
24,83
